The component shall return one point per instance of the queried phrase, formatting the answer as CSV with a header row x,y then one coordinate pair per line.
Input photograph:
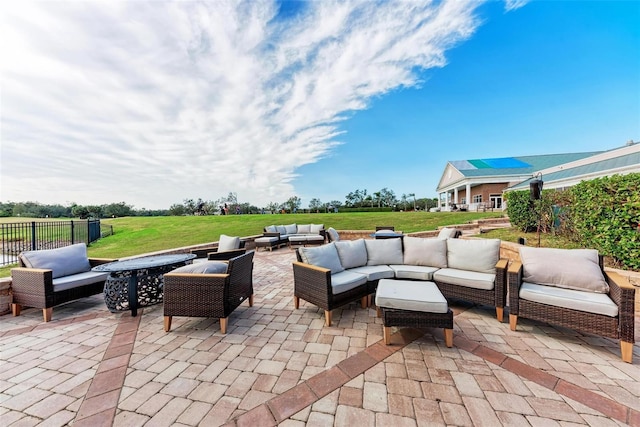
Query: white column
x,y
455,195
468,193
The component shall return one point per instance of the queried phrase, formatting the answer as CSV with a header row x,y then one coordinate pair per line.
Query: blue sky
x,y
154,102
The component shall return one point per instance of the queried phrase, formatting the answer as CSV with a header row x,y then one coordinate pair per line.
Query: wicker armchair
x,y
621,327
212,253
36,287
209,295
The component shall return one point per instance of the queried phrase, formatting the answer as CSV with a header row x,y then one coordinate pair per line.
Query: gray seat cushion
x,y
76,280
346,280
375,272
413,272
590,302
207,267
470,279
410,295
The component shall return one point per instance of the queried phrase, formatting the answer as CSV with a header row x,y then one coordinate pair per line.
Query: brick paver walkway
x,y
277,365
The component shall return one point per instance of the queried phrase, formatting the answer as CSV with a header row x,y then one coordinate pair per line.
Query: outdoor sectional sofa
x,y
345,271
51,277
275,236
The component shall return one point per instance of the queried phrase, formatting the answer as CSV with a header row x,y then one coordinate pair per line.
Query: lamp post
x,y
535,193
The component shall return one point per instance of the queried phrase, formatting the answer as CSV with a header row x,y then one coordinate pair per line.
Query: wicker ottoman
x,y
413,303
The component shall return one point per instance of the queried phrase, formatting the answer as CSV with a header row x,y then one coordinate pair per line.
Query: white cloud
x,y
153,102
514,4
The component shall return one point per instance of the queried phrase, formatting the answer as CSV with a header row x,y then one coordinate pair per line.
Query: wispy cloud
x,y
514,4
153,102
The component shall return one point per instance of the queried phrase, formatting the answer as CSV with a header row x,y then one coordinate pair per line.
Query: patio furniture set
x,y
412,280
292,235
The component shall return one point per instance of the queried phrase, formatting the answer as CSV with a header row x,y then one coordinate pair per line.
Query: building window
x,y
477,198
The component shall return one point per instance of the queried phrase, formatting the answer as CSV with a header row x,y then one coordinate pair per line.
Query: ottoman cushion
x,y
413,296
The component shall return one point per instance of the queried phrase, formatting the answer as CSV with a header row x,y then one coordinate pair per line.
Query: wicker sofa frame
x,y
33,287
621,327
313,284
209,295
211,253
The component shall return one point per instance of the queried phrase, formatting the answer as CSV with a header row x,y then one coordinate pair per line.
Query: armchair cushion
x,y
333,234
228,243
577,269
425,252
352,253
207,267
63,261
384,251
589,302
479,255
325,256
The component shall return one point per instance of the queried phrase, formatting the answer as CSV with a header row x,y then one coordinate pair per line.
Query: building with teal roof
x,y
479,184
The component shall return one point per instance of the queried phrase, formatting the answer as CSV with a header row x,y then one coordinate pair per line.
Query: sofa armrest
x,y
225,255
312,283
34,281
623,293
271,234
514,279
98,261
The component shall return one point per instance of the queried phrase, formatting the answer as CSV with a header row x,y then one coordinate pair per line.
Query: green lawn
x,y
139,235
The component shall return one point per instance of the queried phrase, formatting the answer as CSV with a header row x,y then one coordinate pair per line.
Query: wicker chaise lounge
x,y
597,302
209,289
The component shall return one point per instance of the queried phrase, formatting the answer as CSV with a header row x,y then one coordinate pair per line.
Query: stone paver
x,y
278,365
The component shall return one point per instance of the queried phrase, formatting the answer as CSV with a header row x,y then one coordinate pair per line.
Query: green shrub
x,y
605,214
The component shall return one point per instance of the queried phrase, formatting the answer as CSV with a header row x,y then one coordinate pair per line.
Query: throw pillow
x,y
479,255
425,252
352,253
63,261
384,251
228,243
207,267
577,269
447,233
333,234
325,256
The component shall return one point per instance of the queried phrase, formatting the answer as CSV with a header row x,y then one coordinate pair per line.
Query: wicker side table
x,y
415,304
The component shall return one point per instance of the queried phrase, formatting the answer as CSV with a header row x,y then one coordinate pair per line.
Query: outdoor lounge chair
x,y
209,289
570,288
228,247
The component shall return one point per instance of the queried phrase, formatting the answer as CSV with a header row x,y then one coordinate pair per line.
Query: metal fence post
x,y
72,233
33,235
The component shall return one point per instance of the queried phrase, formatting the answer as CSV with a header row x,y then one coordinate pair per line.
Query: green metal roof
x,y
507,166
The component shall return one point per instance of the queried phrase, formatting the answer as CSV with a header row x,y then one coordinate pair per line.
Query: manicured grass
x,y
139,235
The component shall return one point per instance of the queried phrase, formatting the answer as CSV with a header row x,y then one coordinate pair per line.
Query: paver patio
x,y
277,365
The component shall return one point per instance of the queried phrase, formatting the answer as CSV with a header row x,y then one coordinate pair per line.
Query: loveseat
x,y
275,236
50,277
570,288
341,272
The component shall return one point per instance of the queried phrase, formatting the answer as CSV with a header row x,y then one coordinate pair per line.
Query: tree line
x,y
385,199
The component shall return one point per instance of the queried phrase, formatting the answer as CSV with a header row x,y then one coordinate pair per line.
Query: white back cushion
x,y
352,253
228,243
325,256
577,269
291,228
304,228
479,255
315,228
384,251
426,252
63,261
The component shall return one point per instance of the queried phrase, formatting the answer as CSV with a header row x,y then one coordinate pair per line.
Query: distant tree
x,y
272,207
177,210
293,203
414,199
80,212
113,210
315,205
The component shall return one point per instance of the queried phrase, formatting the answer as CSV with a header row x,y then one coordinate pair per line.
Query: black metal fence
x,y
35,235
